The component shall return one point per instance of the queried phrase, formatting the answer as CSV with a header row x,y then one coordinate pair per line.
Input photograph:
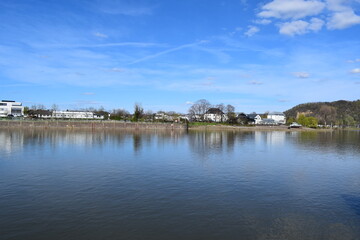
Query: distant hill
x,y
339,112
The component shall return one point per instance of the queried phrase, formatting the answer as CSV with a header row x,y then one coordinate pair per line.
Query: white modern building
x,y
11,108
76,115
278,117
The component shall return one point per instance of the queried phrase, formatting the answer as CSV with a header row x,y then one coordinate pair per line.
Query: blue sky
x,y
166,54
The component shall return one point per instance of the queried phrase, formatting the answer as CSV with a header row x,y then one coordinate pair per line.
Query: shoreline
x,y
257,128
88,124
83,124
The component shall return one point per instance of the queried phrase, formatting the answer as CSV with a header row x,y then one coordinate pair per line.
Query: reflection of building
x,y
271,138
8,108
11,142
76,115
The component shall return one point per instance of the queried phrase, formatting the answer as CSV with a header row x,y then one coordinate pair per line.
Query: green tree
x,y
138,112
290,120
307,121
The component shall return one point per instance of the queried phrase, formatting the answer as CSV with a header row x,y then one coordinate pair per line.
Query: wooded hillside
x,y
339,112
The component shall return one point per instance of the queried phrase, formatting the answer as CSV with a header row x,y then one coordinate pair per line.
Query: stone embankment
x,y
89,124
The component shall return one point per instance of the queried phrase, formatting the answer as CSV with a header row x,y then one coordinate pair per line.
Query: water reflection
x,y
68,184
14,140
203,143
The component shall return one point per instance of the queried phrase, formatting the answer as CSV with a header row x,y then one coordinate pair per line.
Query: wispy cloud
x,y
262,21
152,56
129,8
115,69
103,45
88,93
301,74
100,35
356,71
353,61
256,83
251,31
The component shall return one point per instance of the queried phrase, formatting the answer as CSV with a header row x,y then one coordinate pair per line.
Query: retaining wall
x,y
89,124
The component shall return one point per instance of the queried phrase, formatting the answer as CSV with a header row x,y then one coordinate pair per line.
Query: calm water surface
x,y
177,185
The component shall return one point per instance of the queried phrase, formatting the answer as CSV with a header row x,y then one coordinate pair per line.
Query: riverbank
x,y
254,128
87,124
81,124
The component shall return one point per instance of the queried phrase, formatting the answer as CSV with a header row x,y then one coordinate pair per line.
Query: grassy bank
x,y
217,126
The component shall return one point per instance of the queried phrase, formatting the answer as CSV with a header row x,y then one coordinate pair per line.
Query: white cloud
x,y
342,15
100,35
262,21
189,103
88,93
339,14
343,19
300,27
291,9
336,5
356,70
301,74
251,31
315,24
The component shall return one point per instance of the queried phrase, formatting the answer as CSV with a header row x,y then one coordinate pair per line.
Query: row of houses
x,y
272,118
9,108
47,114
15,109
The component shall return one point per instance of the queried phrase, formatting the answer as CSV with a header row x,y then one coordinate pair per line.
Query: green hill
x,y
339,112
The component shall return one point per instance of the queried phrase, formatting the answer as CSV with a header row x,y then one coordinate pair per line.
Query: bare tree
x,y
54,107
328,113
41,107
199,108
221,107
230,112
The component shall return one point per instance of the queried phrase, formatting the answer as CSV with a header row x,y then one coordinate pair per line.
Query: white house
x,y
278,117
8,108
163,117
254,118
215,115
76,115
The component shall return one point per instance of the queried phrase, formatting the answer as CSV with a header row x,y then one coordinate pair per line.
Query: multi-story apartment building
x,y
11,108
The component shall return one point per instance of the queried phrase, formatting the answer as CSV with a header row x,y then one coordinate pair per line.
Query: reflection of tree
x,y
207,143
333,140
137,142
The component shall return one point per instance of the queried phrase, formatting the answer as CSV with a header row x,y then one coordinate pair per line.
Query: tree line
x,y
341,113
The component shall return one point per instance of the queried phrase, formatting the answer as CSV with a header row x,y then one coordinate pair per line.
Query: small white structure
x,y
278,117
163,117
11,108
215,115
76,115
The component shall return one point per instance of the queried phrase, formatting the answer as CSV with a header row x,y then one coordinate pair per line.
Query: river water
x,y
67,184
